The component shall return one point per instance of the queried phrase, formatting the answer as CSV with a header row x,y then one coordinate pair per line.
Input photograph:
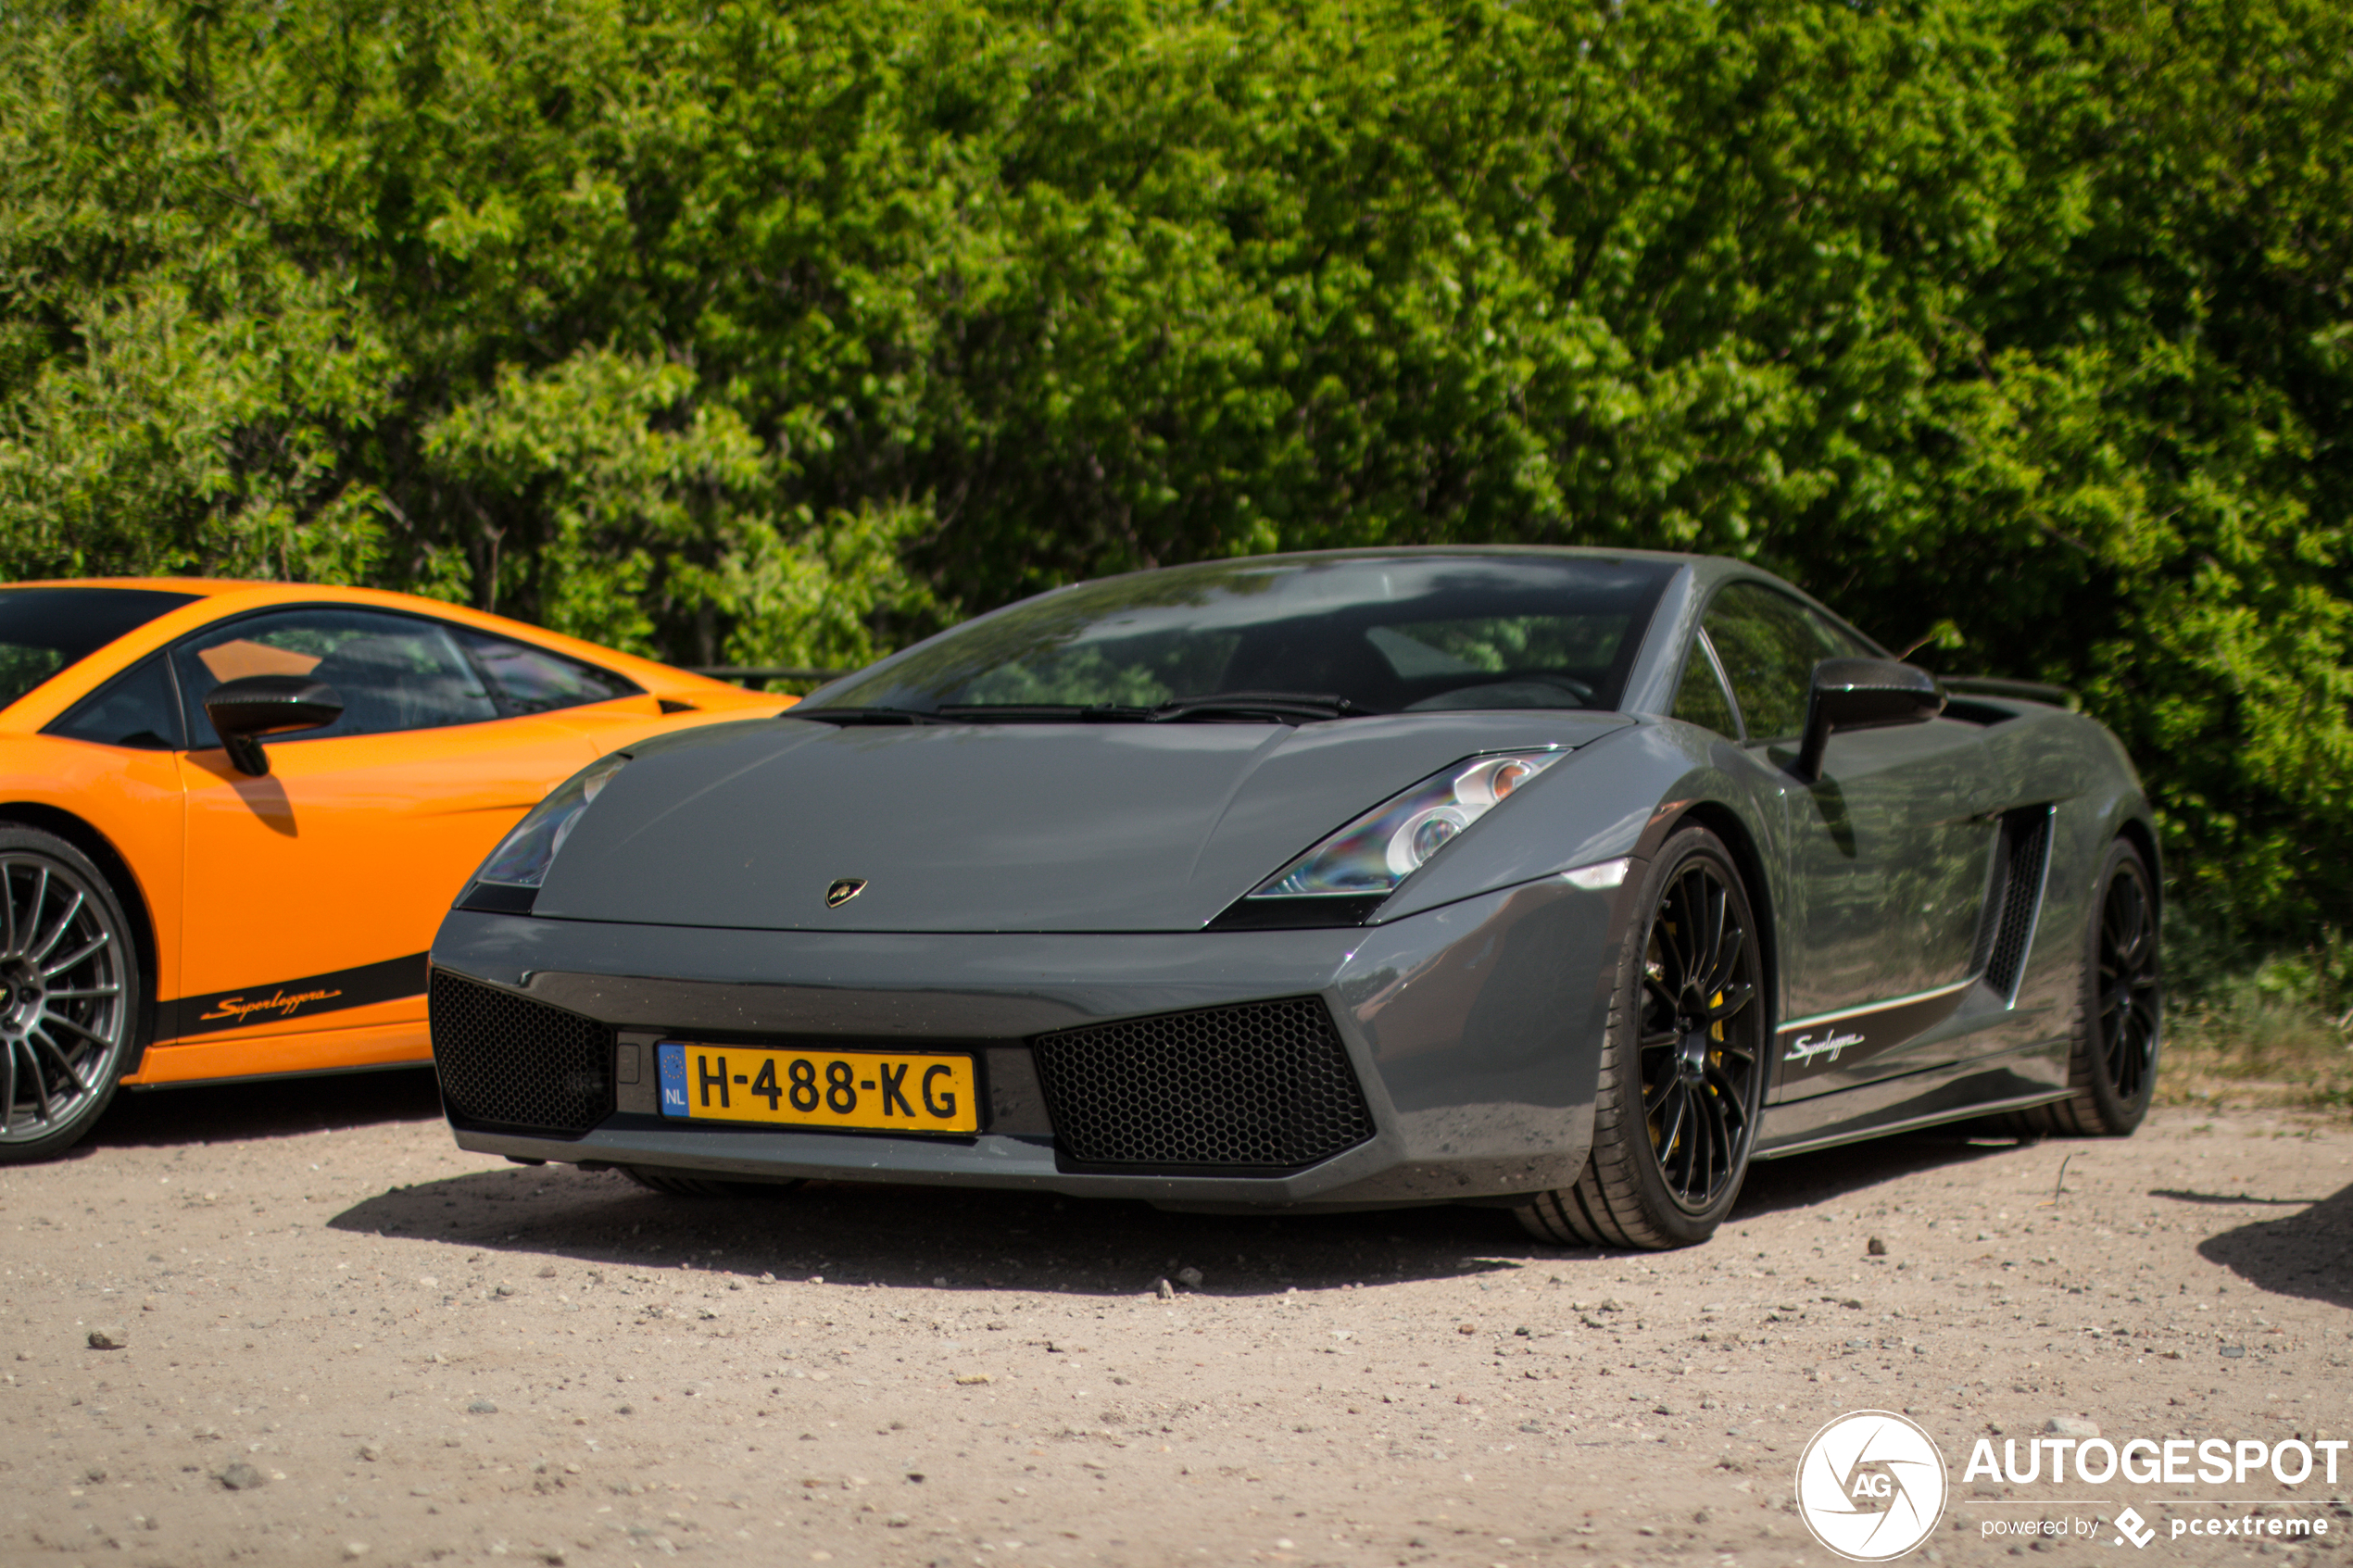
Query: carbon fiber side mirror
x,y
1862,694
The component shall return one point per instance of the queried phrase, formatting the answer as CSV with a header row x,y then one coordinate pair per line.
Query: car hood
x,y
994,827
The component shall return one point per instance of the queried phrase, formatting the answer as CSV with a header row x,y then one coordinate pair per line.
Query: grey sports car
x,y
1564,880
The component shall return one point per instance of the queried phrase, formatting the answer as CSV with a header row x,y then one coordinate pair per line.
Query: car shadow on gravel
x,y
976,1238
901,1235
2308,1255
1804,1180
262,1108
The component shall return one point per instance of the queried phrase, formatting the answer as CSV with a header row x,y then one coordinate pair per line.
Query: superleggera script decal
x,y
1806,1047
278,1002
1844,1040
301,996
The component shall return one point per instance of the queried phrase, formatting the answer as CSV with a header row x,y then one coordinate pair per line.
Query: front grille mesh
x,y
1264,1085
510,1061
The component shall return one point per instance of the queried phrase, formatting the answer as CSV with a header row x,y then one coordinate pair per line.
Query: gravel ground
x,y
341,1339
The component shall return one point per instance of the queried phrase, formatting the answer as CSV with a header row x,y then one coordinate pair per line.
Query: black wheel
x,y
2119,1024
1684,1065
69,994
682,1184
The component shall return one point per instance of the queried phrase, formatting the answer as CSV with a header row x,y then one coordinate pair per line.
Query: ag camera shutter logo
x,y
1871,1485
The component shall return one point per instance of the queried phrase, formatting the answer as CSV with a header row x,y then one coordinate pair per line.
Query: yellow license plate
x,y
882,1091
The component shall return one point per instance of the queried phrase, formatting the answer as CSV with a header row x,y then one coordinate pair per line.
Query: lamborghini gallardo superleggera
x,y
1565,881
232,814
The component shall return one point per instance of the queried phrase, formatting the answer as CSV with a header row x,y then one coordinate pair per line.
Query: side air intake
x,y
2022,861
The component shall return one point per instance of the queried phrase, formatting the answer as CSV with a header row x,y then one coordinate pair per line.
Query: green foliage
x,y
777,330
811,596
2274,1029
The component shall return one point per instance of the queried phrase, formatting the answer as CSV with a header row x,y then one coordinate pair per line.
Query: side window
x,y
1770,643
137,709
1842,643
1700,699
391,671
528,680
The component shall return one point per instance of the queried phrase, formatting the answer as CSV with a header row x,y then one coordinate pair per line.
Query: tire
x,y
679,1184
71,998
1684,1060
2120,1009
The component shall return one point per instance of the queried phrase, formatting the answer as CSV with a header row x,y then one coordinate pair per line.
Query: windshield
x,y
1408,633
43,629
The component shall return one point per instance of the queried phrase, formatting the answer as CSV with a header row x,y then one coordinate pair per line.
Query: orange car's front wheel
x,y
69,994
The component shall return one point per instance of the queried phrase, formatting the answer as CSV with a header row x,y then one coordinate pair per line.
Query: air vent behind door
x,y
2014,899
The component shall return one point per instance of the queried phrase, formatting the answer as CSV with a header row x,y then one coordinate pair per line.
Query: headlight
x,y
1393,840
523,858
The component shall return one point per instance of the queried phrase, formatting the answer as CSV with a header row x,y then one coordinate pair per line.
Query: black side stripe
x,y
306,997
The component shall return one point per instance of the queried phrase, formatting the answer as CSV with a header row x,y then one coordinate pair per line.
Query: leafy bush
x,y
771,329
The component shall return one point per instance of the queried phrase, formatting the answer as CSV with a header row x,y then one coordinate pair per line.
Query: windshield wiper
x,y
1285,707
1043,713
863,715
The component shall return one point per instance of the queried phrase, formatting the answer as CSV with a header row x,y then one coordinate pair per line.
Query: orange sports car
x,y
233,813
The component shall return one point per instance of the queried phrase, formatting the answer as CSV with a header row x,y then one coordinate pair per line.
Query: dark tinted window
x,y
42,630
1770,643
137,707
391,671
1388,633
528,680
1700,699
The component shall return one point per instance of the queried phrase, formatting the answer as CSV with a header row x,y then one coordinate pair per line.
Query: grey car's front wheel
x,y
1683,1063
69,994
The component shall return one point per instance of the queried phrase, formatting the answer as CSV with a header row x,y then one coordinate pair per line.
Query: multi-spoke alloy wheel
x,y
1683,1066
69,994
1699,1057
2120,1023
